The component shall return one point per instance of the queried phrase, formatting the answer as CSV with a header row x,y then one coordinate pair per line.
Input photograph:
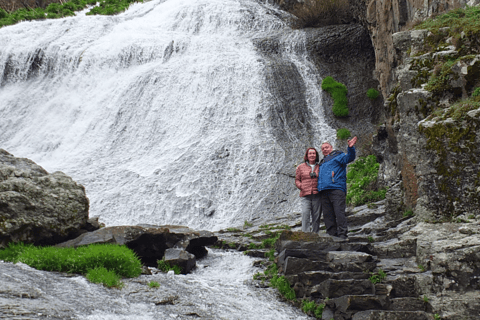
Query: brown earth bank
x,y
12,5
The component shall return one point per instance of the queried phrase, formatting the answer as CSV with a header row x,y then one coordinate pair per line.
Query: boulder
x,y
149,242
38,207
178,257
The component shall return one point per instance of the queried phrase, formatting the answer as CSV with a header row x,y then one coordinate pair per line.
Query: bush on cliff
x,y
315,13
343,134
339,95
361,182
116,259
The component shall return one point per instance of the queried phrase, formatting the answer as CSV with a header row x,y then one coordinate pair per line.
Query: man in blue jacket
x,y
332,185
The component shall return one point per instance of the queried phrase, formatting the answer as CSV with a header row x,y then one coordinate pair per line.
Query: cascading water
x,y
166,113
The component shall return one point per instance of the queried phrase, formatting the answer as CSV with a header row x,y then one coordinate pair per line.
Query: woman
x,y
306,179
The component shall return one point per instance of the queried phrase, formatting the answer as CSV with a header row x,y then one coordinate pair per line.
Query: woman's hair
x,y
305,158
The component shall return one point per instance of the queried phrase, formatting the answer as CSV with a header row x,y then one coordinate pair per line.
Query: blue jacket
x,y
335,162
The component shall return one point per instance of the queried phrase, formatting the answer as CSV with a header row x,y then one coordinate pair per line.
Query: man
x,y
332,185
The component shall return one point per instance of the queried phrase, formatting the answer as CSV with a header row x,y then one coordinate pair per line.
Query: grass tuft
x,y
338,91
116,259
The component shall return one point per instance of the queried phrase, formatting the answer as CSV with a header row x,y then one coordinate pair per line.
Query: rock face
x,y
177,245
429,144
343,52
37,207
384,18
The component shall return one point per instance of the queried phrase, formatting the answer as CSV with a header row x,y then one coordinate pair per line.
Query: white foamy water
x,y
164,112
217,289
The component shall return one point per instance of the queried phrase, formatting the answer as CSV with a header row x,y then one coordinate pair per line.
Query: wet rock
x,y
178,257
38,207
392,315
149,242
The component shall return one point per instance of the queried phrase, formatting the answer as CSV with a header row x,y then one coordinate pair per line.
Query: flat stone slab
x,y
392,315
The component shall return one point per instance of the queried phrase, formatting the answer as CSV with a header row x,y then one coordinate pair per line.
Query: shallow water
x,y
220,288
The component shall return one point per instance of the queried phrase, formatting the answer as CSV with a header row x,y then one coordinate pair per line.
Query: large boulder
x,y
150,242
38,207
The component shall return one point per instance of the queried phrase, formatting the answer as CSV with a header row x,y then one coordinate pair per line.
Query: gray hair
x,y
325,142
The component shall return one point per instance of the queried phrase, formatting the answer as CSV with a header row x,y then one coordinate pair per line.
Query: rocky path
x,y
395,270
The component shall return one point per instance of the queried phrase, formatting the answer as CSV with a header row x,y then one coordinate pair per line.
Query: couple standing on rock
x,y
323,186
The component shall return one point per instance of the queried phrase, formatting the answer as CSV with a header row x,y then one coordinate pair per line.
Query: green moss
x,y
339,95
392,99
373,93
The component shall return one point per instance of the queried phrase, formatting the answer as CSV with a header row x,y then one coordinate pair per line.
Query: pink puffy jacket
x,y
304,182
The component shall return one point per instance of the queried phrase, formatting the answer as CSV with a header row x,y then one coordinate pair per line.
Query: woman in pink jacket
x,y
306,179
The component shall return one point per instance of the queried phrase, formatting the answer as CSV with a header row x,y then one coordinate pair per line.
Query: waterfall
x,y
168,113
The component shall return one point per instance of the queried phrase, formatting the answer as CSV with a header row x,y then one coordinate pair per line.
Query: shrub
x,y
361,182
372,93
338,91
154,284
314,13
476,92
106,277
3,13
343,134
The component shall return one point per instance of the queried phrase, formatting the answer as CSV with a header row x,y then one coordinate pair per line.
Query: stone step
x,y
333,288
410,304
391,315
351,261
312,278
346,306
293,265
395,248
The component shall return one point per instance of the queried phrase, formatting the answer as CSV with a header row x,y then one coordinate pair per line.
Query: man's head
x,y
326,148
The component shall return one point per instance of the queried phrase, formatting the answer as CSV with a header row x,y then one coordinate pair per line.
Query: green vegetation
x,y
436,316
370,239
343,134
105,263
377,277
279,282
315,13
58,10
107,277
165,267
247,224
310,307
421,267
372,93
467,19
425,299
476,92
233,230
154,284
339,95
361,182
408,213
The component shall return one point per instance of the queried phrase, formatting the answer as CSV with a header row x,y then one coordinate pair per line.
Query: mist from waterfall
x,y
164,112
